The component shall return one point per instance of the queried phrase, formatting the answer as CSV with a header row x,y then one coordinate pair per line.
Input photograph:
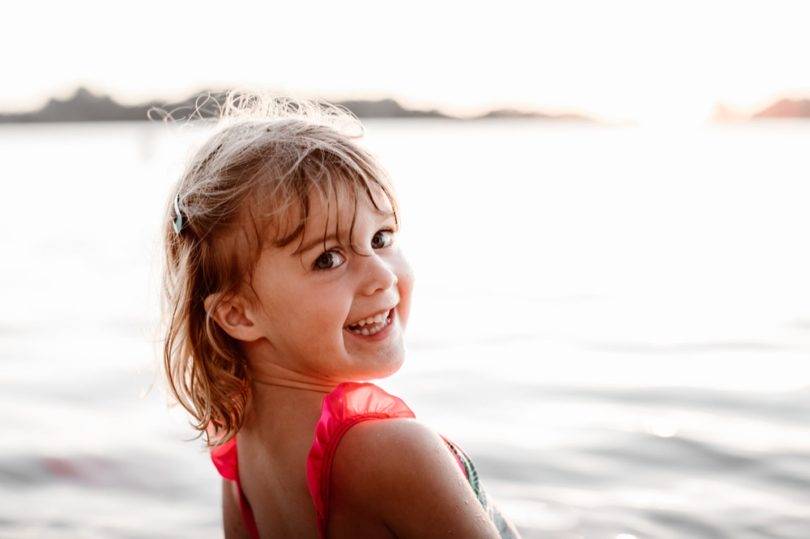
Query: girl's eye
x,y
390,234
322,263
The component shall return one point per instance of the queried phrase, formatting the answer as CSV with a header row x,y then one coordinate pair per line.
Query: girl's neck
x,y
292,383
284,408
284,401
268,373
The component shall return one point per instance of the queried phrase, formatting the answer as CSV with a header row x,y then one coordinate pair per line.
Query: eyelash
x,y
315,263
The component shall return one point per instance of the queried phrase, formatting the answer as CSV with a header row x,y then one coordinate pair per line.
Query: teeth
x,y
376,319
371,330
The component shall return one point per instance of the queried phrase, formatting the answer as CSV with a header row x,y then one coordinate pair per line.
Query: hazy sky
x,y
642,60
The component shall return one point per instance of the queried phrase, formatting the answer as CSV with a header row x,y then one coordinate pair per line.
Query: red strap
x,y
225,459
348,404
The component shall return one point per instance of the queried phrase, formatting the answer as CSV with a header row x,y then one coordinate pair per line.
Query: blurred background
x,y
605,204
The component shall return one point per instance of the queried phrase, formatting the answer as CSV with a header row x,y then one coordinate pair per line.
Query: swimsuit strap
x,y
347,405
226,462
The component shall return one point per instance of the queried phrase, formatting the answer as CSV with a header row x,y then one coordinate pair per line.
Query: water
x,y
613,322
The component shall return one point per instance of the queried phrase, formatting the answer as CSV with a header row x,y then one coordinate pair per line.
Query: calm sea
x,y
613,322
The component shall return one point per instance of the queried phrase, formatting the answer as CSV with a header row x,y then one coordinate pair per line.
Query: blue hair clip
x,y
178,215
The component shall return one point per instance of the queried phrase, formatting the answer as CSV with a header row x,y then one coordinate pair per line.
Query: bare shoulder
x,y
402,473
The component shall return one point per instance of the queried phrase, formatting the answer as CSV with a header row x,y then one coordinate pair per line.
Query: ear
x,y
234,316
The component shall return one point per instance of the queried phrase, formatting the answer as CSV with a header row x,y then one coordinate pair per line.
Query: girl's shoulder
x,y
401,473
398,471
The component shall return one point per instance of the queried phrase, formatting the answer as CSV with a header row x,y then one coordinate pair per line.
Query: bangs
x,y
339,187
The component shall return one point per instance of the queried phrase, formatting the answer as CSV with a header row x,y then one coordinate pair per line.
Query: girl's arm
x,y
232,522
401,473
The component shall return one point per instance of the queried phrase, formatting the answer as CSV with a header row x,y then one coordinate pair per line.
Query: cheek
x,y
325,313
405,282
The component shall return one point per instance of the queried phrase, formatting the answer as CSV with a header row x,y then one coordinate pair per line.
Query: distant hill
x,y
85,106
786,108
782,109
512,113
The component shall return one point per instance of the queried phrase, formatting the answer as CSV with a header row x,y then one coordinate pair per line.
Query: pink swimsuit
x,y
348,404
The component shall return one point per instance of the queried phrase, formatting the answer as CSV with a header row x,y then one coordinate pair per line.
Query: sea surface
x,y
614,322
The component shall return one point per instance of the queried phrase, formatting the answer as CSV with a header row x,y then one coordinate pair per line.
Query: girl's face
x,y
311,296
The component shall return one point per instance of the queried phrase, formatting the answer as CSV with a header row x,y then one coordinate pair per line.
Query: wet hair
x,y
248,184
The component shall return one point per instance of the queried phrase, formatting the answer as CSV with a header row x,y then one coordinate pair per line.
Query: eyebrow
x,y
317,241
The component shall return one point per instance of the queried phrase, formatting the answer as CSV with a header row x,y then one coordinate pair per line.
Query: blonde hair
x,y
239,190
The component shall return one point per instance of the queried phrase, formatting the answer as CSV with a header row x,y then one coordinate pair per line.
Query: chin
x,y
381,370
390,371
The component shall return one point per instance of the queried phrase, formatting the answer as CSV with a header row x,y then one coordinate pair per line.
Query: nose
x,y
380,275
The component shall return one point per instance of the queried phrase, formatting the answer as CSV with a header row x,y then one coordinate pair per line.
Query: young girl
x,y
285,292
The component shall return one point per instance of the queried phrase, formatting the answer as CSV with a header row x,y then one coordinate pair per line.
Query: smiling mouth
x,y
358,325
369,330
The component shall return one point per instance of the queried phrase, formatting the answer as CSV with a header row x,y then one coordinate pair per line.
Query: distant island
x,y
782,109
85,106
786,108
